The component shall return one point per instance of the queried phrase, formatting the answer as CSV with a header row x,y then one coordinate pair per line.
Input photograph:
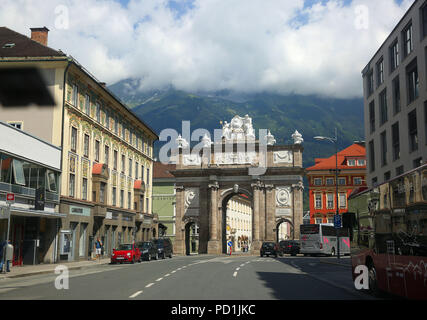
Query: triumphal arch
x,y
236,162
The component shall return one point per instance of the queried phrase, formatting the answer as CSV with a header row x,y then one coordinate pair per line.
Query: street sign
x,y
337,221
10,197
230,244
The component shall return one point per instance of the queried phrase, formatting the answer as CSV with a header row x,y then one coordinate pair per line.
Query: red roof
x,y
97,168
162,170
355,151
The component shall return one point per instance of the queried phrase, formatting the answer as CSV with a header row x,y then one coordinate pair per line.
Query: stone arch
x,y
225,196
284,220
187,223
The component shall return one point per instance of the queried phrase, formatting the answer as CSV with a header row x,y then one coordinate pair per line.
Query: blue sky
x,y
280,46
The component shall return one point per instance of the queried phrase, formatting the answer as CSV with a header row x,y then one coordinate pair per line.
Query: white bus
x,y
321,239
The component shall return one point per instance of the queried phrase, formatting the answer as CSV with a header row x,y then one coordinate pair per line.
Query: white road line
x,y
136,294
159,279
242,264
167,275
173,271
235,274
149,285
237,269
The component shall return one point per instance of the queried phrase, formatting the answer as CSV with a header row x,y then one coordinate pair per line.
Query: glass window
x,y
413,81
351,162
98,112
86,146
73,139
96,150
343,200
84,189
318,181
407,40
18,172
342,181
318,201
102,192
71,186
107,155
380,72
115,160
357,181
395,141
372,116
51,180
424,20
413,133
383,148
371,156
130,168
75,95
394,56
330,198
370,82
87,105
383,107
114,194
123,163
329,181
396,96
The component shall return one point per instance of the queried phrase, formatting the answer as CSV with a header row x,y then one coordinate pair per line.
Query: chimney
x,y
39,35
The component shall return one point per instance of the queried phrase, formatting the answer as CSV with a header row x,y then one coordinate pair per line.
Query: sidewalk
x,y
30,270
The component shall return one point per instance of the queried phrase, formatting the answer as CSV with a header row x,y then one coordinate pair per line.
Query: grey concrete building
x,y
395,99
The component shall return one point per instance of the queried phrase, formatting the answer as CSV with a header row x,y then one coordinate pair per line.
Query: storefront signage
x,y
80,211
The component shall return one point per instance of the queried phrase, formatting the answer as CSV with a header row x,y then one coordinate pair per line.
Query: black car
x,y
269,249
164,247
289,247
148,250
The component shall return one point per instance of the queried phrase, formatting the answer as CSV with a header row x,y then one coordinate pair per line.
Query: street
x,y
198,277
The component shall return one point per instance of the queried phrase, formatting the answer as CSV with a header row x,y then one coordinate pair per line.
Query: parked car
x,y
164,247
148,250
126,252
269,249
291,247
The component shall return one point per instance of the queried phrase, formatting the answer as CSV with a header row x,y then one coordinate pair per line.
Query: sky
x,y
280,46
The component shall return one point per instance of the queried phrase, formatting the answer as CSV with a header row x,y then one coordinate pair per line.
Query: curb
x,y
7,276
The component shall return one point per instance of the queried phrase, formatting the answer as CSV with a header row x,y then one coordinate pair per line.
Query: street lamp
x,y
334,141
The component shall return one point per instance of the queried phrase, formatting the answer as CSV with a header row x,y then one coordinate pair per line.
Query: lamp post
x,y
334,141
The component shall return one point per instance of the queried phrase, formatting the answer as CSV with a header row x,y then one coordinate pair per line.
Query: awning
x,y
36,213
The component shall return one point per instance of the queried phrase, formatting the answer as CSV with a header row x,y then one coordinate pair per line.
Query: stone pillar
x,y
179,243
297,196
256,243
214,246
270,214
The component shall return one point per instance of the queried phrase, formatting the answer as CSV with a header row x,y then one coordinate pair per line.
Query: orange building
x,y
322,187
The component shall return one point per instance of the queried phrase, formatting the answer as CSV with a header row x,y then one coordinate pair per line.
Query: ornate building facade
x,y
322,184
107,151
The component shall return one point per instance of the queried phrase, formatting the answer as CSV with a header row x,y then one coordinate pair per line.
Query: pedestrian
x,y
2,255
9,255
98,246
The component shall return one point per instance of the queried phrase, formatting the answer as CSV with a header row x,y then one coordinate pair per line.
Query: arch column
x,y
297,195
270,206
213,243
179,243
256,242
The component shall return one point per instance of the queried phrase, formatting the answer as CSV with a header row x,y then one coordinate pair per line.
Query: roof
x,y
353,152
162,170
22,46
97,168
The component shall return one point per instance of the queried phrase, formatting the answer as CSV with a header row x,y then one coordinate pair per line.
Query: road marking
x,y
149,285
237,269
167,275
136,294
242,264
159,279
235,274
173,271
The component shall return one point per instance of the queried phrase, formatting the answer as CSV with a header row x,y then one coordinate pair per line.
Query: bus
x,y
321,239
388,234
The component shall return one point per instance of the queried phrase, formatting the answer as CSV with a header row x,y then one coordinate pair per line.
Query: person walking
x,y
9,255
98,247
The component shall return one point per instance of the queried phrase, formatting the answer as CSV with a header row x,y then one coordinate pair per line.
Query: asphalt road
x,y
203,277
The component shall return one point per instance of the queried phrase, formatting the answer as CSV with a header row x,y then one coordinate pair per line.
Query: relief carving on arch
x,y
191,206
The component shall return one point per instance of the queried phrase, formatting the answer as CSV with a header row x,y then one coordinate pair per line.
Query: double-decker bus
x,y
321,239
388,233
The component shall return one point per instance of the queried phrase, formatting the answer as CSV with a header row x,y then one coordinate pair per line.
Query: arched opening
x,y
284,230
191,238
237,222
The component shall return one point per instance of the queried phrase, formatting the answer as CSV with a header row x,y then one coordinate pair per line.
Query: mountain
x,y
310,115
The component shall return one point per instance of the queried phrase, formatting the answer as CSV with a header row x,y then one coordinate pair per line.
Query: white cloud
x,y
244,45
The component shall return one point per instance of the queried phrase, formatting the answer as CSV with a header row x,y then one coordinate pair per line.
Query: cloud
x,y
292,46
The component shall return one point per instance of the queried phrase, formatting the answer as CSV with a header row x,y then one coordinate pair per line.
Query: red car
x,y
126,252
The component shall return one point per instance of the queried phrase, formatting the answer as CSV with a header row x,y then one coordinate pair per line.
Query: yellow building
x,y
107,151
239,223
